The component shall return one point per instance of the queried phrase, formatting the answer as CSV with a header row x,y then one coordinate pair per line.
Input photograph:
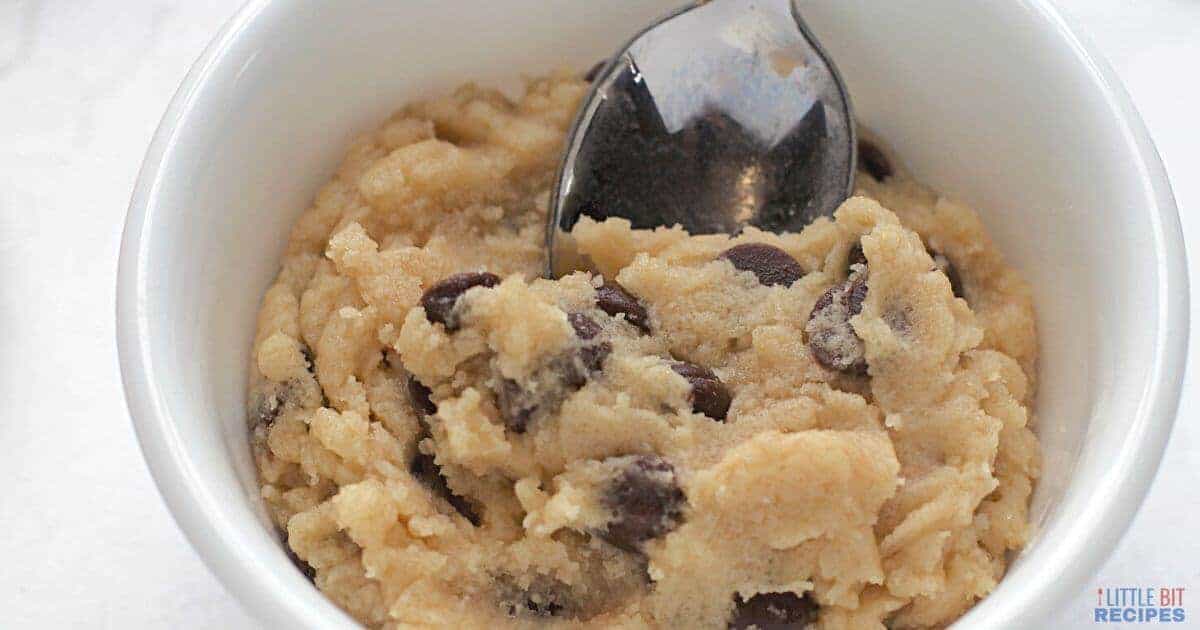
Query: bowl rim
x,y
265,595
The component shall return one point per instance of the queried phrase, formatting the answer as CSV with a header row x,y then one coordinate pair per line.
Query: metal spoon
x,y
723,114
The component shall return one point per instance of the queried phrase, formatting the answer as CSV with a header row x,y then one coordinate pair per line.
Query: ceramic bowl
x,y
996,103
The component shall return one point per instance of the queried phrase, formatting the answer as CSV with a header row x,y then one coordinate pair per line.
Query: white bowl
x,y
995,102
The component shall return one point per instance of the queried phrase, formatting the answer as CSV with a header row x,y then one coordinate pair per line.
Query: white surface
x,y
81,88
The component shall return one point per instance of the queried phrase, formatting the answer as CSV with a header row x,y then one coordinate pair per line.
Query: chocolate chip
x,y
585,327
419,397
594,71
305,568
592,355
873,160
613,299
831,338
856,256
709,395
439,300
768,263
426,470
945,266
515,404
773,611
560,377
645,499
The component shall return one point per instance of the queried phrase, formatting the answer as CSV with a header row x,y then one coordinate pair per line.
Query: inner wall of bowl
x,y
978,103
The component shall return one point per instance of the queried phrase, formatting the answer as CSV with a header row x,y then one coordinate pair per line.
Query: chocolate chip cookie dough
x,y
830,427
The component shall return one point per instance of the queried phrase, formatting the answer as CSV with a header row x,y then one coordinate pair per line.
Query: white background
x,y
85,540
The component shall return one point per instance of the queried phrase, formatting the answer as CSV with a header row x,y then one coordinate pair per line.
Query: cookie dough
x,y
830,427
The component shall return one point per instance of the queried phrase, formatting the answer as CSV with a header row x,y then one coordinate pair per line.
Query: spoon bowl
x,y
723,114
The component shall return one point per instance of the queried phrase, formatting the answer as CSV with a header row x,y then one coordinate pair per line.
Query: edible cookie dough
x,y
771,430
